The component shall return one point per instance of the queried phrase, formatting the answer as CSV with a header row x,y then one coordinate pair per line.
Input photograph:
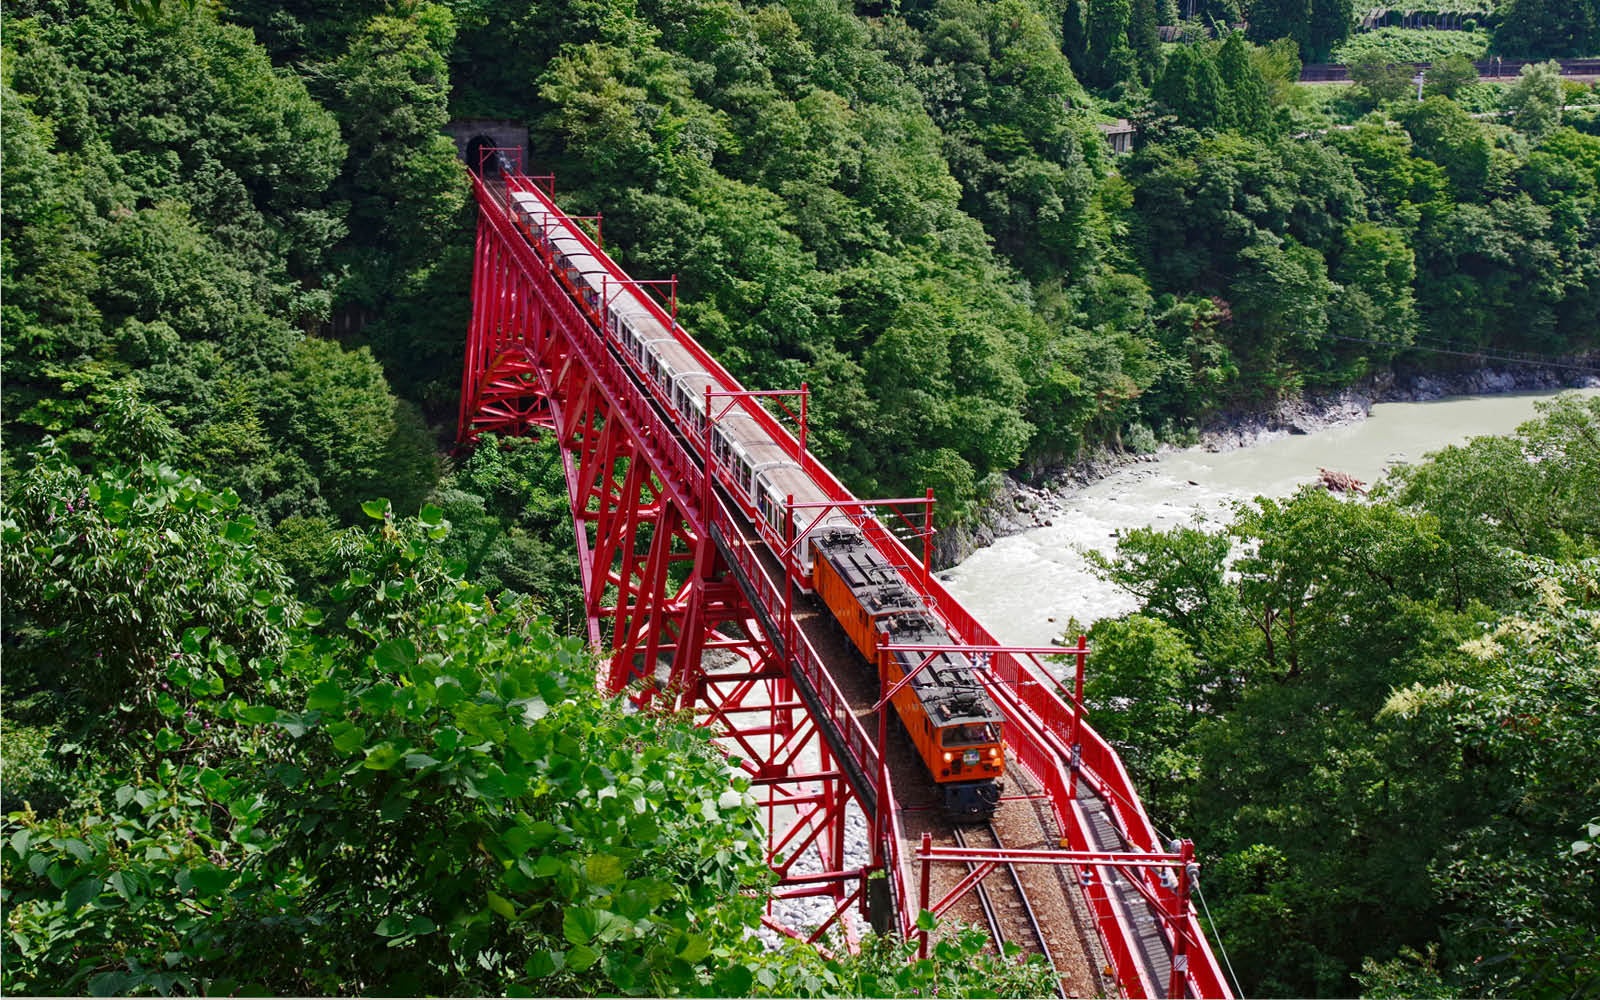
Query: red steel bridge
x,y
702,608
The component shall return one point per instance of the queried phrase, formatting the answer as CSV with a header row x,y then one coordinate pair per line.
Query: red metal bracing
x,y
658,592
695,601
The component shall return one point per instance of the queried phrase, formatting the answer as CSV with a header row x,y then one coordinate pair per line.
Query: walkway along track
x,y
538,341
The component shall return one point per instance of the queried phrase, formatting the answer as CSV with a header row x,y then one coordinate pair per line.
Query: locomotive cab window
x,y
972,734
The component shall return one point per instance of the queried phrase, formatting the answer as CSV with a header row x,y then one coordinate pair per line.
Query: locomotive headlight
x,y
995,753
948,757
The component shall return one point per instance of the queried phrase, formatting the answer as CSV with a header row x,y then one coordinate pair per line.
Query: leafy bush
x,y
1140,439
1409,45
1380,79
402,784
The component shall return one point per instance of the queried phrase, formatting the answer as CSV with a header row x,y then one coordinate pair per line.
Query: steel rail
x,y
1027,910
989,915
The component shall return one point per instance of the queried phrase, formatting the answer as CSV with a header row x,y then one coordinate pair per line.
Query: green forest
x,y
1380,720
287,674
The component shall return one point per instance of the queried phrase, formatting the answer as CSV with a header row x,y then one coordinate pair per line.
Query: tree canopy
x,y
1376,716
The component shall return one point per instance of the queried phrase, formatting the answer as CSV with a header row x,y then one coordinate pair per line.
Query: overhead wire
x,y
1467,351
1217,933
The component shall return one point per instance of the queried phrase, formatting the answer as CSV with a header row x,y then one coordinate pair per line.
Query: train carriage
x,y
950,718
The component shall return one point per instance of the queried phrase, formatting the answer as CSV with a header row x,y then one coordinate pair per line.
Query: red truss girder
x,y
656,589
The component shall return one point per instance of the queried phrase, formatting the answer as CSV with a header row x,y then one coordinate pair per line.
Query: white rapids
x,y
1026,586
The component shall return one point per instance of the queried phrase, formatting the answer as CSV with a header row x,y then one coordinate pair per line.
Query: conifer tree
x,y
1144,39
1110,57
1245,86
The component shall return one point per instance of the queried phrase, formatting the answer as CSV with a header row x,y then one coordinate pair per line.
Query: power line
x,y
1486,354
1217,933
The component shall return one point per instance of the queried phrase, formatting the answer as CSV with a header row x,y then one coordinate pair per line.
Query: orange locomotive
x,y
951,720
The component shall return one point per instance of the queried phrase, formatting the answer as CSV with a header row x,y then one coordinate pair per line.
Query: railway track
x,y
1037,907
1015,920
1489,69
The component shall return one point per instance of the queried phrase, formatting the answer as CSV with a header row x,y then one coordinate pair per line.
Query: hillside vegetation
x,y
1379,720
1412,45
251,711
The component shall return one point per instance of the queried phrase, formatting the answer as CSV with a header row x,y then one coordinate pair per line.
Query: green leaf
x,y
581,958
579,925
257,714
110,984
603,869
927,921
430,515
502,906
293,724
382,757
545,963
735,981
694,948
191,638
377,699
209,880
325,695
376,509
395,656
421,925
82,894
119,883
215,783
391,926
75,847
347,737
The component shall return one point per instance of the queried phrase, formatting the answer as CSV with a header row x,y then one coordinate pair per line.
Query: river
x,y
1026,586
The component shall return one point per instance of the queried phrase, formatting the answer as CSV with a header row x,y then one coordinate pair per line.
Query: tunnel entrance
x,y
473,136
489,165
